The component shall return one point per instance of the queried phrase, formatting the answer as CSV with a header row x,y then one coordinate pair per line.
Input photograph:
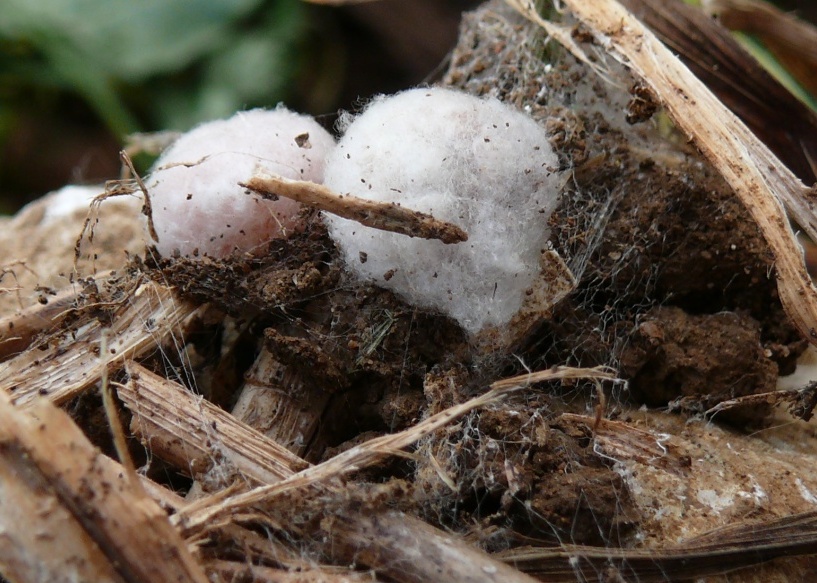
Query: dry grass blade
x,y
785,124
70,363
378,215
793,41
754,173
119,524
719,551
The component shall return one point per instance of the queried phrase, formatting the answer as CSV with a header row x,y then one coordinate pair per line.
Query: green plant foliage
x,y
767,59
176,61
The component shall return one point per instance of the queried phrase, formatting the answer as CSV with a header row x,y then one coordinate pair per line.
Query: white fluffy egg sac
x,y
197,205
477,163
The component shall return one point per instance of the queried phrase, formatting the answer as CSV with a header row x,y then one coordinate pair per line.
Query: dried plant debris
x,y
295,422
785,124
791,39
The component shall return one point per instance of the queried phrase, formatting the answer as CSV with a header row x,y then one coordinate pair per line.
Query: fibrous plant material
x,y
784,123
199,209
792,40
123,534
386,216
474,162
70,363
387,541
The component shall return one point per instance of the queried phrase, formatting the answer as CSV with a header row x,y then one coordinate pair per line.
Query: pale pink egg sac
x,y
198,207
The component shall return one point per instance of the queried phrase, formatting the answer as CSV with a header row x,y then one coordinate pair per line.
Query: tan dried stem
x,y
119,533
378,215
68,362
758,178
793,41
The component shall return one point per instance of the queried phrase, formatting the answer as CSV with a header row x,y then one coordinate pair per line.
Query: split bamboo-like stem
x,y
70,363
277,402
192,433
124,533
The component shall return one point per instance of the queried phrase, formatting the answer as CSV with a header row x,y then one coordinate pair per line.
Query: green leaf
x,y
131,39
113,52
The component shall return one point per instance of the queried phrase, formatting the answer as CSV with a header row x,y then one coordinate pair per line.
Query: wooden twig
x,y
69,363
68,555
378,215
192,433
754,173
125,533
19,330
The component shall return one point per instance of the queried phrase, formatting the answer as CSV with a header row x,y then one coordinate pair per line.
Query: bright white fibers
x,y
198,206
474,162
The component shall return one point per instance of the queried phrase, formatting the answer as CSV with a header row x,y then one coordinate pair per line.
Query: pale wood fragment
x,y
617,440
280,404
127,528
70,363
193,434
40,540
18,331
